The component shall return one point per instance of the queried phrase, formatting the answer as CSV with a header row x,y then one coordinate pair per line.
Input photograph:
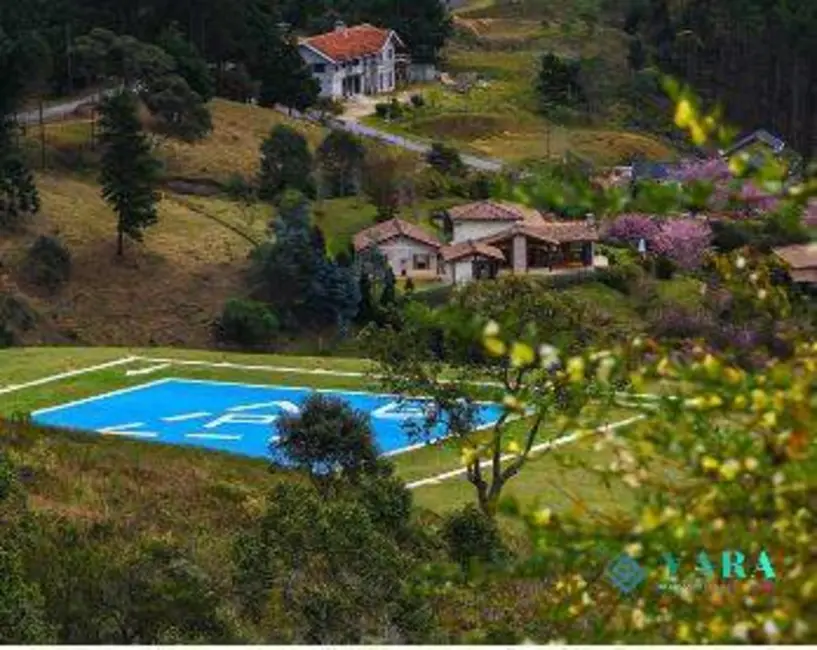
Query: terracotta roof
x,y
799,256
554,232
493,211
470,248
806,276
389,230
347,43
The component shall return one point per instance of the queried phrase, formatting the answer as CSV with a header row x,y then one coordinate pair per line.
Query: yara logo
x,y
733,566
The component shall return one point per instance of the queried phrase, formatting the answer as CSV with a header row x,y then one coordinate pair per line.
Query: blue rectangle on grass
x,y
237,418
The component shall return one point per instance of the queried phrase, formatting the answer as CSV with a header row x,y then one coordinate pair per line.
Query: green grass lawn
x,y
544,481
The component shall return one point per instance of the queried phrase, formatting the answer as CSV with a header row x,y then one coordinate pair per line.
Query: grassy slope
x,y
170,288
503,42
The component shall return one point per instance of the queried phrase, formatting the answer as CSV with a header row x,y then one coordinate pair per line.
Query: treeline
x,y
225,32
757,57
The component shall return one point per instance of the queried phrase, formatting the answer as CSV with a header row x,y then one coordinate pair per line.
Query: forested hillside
x,y
757,57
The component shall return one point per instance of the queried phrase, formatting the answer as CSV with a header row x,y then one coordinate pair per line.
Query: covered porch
x,y
530,253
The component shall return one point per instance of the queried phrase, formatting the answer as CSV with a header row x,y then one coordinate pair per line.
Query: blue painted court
x,y
237,418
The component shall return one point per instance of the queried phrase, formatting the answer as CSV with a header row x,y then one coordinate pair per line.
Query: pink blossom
x,y
684,241
632,227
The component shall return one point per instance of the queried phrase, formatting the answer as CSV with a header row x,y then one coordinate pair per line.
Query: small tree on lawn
x,y
387,181
286,163
130,173
328,440
340,158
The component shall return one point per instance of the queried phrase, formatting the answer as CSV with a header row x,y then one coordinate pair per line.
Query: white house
x,y
349,61
410,250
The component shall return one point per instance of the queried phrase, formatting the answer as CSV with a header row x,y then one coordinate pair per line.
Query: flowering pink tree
x,y
684,241
742,198
630,228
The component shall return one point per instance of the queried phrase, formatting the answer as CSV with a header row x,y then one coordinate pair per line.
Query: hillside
x,y
169,289
502,42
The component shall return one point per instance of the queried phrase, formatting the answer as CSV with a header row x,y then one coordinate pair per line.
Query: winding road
x,y
65,109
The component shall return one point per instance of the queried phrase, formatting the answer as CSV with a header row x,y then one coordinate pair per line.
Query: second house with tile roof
x,y
482,240
349,61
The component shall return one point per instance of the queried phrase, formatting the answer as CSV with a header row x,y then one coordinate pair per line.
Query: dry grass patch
x,y
166,290
233,146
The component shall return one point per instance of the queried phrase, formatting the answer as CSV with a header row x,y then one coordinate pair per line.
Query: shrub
x,y
48,263
433,184
481,186
472,537
247,322
417,100
620,277
239,188
381,109
16,318
445,159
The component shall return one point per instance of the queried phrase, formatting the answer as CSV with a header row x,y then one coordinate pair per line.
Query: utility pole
x,y
42,132
69,58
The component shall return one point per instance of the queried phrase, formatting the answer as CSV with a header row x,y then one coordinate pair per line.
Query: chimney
x,y
339,25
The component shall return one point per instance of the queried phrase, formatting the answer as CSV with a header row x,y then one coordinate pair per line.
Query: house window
x,y
391,80
319,68
389,54
422,262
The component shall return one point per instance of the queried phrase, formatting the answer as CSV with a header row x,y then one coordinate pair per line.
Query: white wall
x,y
330,80
400,253
461,271
465,230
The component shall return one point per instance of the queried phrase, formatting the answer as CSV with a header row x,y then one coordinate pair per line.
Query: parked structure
x,y
351,61
802,262
484,239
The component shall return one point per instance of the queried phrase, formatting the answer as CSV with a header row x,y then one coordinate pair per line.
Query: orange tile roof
x,y
349,42
390,229
799,256
492,211
469,248
554,232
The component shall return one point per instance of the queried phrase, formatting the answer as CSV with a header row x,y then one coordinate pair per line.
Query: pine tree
x,y
130,173
366,309
18,193
389,295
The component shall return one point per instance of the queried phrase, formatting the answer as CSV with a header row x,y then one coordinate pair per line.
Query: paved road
x,y
65,109
482,164
60,111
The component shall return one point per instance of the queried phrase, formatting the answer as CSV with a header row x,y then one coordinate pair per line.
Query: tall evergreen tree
x,y
285,77
130,173
18,193
389,295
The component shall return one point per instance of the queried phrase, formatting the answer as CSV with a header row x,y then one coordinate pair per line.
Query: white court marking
x,y
289,407
147,371
186,416
65,375
339,373
128,430
213,436
550,444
